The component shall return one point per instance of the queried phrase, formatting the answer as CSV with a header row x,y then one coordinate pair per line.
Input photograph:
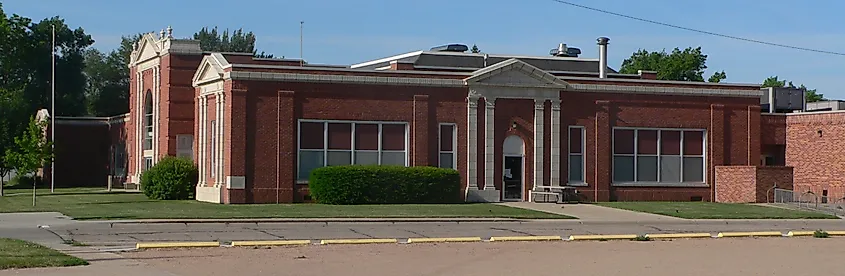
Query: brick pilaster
x,y
603,146
420,137
715,145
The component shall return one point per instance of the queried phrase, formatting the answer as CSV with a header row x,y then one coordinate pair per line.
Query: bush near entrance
x,y
357,184
172,178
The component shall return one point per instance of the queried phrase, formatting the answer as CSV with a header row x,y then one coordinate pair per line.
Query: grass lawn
x,y
22,254
96,203
711,210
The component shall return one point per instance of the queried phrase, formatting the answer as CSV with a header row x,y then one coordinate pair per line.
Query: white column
x,y
139,139
539,124
216,145
201,102
489,144
472,142
220,119
155,113
555,164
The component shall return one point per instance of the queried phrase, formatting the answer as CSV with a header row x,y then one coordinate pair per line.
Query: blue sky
x,y
345,32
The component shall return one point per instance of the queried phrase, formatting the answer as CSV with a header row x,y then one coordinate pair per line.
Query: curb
x,y
750,234
719,235
149,245
323,220
271,243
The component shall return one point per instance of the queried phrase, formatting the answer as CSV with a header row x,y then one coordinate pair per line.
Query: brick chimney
x,y
401,65
647,75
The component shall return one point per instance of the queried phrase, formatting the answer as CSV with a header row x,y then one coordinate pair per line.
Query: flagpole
x,y
53,117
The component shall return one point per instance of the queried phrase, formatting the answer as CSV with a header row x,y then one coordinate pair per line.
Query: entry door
x,y
512,175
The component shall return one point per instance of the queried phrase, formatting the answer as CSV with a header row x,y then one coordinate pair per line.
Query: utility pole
x,y
53,116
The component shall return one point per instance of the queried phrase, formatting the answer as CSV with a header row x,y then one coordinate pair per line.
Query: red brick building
x,y
508,124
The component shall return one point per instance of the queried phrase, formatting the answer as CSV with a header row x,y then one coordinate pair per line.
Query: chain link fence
x,y
810,201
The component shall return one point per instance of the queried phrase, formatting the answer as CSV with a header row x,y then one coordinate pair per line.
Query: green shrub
x,y
821,234
171,178
384,185
25,182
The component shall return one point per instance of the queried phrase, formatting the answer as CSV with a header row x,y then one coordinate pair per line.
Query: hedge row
x,y
356,184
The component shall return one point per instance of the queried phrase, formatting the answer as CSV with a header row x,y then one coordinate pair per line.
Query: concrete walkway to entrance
x,y
590,212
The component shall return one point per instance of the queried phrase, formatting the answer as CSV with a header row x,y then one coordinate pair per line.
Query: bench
x,y
545,195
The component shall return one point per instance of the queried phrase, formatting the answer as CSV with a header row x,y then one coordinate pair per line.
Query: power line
x,y
700,31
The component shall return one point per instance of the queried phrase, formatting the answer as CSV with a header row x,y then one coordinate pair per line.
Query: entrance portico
x,y
515,86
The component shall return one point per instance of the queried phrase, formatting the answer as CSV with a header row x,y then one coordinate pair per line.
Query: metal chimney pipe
x,y
602,41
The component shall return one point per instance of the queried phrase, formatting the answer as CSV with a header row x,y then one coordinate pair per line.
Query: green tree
x,y
107,88
811,94
238,42
686,65
33,149
11,105
26,63
717,77
475,49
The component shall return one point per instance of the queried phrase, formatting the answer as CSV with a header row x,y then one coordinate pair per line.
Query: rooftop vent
x,y
451,48
563,51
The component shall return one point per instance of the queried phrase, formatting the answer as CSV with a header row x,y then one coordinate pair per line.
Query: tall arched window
x,y
148,120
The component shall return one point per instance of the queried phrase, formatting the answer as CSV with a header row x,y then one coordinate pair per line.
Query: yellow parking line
x,y
800,233
526,238
601,237
750,234
679,236
271,243
463,239
358,241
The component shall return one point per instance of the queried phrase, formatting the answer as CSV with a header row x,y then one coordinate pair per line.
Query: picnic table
x,y
561,193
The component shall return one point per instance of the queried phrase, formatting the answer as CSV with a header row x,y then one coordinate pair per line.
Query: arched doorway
x,y
513,168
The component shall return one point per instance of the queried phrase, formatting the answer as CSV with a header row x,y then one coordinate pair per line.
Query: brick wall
x,y
815,148
731,137
271,110
746,184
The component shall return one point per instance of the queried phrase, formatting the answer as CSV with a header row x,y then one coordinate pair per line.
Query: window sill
x,y
577,184
657,184
305,182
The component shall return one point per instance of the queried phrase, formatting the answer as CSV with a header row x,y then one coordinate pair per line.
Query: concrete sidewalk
x,y
592,213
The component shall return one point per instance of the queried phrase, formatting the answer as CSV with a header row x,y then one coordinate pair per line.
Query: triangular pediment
x,y
210,69
147,48
514,73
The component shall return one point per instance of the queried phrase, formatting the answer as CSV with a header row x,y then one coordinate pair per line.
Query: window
x,y
658,156
212,148
448,136
576,154
333,143
185,146
148,121
119,160
148,163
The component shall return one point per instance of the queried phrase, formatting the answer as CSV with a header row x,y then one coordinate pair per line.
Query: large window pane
x,y
670,142
693,142
576,169
646,142
670,169
575,143
366,158
393,158
447,160
311,135
647,168
366,137
623,141
340,136
393,137
446,137
693,169
309,160
623,168
338,158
